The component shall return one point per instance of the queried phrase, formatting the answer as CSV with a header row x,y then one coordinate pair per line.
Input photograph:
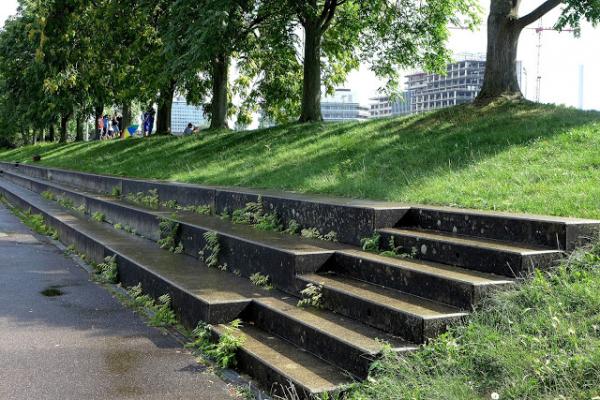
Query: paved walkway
x,y
82,344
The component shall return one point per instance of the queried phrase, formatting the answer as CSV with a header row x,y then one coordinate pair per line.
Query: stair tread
x,y
277,240
356,334
390,298
281,241
430,267
297,365
504,214
210,285
517,248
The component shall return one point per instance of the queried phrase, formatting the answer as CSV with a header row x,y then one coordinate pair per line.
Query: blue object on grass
x,y
132,129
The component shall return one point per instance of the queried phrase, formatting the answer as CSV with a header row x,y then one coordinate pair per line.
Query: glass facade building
x,y
183,113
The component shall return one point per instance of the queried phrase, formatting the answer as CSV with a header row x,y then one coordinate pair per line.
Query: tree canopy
x,y
69,59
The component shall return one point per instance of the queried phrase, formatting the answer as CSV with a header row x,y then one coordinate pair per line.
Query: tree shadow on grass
x,y
370,160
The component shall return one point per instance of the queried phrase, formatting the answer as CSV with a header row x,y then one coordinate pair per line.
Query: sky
x,y
561,57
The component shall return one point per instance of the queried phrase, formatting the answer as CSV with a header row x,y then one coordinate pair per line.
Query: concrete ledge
x,y
249,251
553,232
352,220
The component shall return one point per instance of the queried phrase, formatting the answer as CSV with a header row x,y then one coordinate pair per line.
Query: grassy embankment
x,y
526,158
540,340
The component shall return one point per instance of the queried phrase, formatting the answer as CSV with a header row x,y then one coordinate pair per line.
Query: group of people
x,y
110,127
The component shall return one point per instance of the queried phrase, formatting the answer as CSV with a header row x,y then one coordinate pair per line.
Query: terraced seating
x,y
456,257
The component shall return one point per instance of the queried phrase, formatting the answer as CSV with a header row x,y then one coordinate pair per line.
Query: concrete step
x,y
341,341
537,230
410,317
350,219
242,248
458,287
485,255
278,365
203,294
198,293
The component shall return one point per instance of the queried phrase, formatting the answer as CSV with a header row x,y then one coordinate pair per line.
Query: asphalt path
x,y
82,343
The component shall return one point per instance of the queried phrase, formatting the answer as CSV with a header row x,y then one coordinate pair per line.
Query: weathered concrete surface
x,y
83,344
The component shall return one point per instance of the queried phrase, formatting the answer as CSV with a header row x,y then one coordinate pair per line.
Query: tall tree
x,y
504,29
339,34
218,32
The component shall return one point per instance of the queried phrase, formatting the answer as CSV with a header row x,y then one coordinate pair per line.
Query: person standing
x,y
105,125
149,121
121,127
100,129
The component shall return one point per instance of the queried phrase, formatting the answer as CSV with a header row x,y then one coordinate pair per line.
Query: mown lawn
x,y
525,157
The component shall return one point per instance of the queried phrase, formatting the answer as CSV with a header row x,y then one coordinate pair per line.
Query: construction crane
x,y
539,30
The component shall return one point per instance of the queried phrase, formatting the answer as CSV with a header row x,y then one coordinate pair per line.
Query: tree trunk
x,y
79,127
98,111
500,78
51,134
311,91
163,119
220,82
64,122
126,116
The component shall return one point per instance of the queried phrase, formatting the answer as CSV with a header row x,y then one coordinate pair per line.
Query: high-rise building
x,y
183,113
384,106
461,84
342,107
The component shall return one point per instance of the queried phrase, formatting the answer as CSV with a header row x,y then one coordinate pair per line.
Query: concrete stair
x,y
411,317
365,297
485,255
443,283
198,293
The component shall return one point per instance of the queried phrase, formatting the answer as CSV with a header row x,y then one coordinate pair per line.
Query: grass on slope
x,y
524,157
540,340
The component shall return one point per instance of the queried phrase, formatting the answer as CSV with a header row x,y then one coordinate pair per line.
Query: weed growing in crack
x,y
225,349
200,209
66,203
48,195
116,191
70,250
311,296
372,245
161,313
98,216
107,272
254,214
169,230
37,223
149,199
210,253
170,204
260,280
313,233
293,227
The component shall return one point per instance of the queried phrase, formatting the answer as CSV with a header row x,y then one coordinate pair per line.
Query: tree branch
x,y
538,13
327,15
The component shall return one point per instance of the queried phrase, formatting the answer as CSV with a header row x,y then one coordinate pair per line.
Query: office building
x,y
461,84
183,113
342,107
384,106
